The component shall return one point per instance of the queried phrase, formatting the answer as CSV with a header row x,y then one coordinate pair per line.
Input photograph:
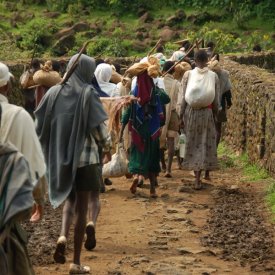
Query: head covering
x,y
65,116
103,74
5,74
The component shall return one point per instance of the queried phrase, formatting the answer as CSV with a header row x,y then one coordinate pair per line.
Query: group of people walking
x,y
69,142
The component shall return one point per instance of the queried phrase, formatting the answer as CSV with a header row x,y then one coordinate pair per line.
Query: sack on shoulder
x,y
200,91
26,80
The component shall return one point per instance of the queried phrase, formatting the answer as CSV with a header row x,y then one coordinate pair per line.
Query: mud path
x,y
138,235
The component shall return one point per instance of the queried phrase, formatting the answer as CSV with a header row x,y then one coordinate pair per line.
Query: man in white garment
x,y
18,128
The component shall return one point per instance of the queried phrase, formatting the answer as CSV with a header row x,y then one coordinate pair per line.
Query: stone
x,y
175,19
81,26
52,14
172,210
64,32
167,34
146,18
64,44
139,46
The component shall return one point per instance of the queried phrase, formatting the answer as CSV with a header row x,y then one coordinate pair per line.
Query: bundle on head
x,y
214,66
151,65
46,76
180,69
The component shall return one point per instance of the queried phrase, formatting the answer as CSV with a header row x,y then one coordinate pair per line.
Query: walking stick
x,y
180,60
152,50
73,67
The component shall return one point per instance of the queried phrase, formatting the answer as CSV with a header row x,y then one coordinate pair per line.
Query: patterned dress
x,y
148,161
201,149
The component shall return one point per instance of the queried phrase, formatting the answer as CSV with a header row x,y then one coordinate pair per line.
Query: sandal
x,y
79,269
198,185
59,254
90,242
133,188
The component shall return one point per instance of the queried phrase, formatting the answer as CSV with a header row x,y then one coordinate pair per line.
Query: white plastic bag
x,y
200,91
182,141
118,166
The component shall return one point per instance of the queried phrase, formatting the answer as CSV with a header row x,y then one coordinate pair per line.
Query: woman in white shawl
x,y
103,74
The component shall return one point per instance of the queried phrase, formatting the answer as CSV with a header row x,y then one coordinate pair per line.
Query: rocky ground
x,y
222,229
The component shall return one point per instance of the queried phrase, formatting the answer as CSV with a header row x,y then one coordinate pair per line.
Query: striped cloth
x,y
98,138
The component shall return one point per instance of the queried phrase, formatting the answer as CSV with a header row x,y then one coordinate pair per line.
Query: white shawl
x,y
18,128
103,74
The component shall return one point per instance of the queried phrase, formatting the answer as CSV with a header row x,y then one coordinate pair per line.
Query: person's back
x,y
15,205
18,128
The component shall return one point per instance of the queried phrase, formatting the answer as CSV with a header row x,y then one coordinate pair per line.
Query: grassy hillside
x,y
61,34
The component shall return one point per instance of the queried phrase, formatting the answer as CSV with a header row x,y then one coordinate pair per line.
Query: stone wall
x,y
261,60
251,119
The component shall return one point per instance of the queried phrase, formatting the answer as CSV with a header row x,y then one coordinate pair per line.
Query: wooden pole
x,y
188,52
159,41
73,67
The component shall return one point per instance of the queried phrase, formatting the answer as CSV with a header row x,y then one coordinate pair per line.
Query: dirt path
x,y
138,235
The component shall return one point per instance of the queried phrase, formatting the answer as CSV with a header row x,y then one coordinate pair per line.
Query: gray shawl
x,y
15,184
225,83
65,116
15,204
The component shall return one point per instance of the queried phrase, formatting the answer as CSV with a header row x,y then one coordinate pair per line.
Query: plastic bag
x,y
182,141
118,166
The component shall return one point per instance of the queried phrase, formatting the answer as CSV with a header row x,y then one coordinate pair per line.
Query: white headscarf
x,y
103,74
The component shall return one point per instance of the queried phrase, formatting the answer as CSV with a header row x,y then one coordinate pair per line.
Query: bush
x,y
39,32
226,43
109,47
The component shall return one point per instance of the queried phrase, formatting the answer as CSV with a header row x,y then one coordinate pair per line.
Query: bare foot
x,y
133,188
37,213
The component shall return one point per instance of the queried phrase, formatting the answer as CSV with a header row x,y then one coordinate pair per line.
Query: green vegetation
x,y
115,25
250,172
270,197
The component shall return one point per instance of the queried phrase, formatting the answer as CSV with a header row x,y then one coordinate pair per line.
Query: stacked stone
x,y
265,60
251,120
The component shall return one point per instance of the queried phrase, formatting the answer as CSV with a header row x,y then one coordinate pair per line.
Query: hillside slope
x,y
25,27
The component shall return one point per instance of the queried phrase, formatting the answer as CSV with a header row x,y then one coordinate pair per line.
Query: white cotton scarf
x,y
17,127
103,75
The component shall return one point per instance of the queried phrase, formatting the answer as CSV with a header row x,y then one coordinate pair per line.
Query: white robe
x,y
18,128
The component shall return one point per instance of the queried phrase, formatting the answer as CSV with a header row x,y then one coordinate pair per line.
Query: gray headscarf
x,y
65,116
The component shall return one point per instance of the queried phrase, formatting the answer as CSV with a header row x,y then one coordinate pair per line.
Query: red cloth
x,y
145,85
39,93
